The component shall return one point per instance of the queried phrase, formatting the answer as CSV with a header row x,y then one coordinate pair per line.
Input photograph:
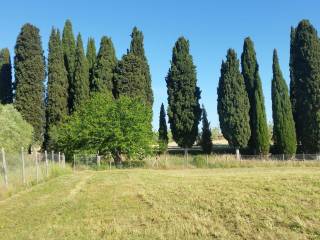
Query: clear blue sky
x,y
211,27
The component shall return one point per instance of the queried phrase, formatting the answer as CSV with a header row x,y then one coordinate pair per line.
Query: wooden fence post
x,y
52,156
37,167
63,160
47,165
74,162
23,166
98,160
4,164
207,160
59,158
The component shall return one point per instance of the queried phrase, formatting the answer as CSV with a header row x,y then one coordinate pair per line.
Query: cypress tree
x,y
91,58
129,77
105,66
259,140
284,134
6,92
233,103
206,140
184,110
57,95
137,48
163,130
29,65
305,85
69,51
80,86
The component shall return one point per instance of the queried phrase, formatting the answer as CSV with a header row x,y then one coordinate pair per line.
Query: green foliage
x,y
80,85
29,65
284,135
163,130
120,127
233,103
137,48
215,133
305,85
199,162
206,139
259,140
69,52
129,78
15,132
6,91
91,58
105,66
57,97
184,110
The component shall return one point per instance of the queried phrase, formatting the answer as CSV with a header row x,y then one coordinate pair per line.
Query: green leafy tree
x,y
91,58
105,66
233,103
29,65
57,95
163,130
69,52
121,127
184,110
129,77
80,85
15,132
137,48
206,139
259,140
305,85
284,135
6,91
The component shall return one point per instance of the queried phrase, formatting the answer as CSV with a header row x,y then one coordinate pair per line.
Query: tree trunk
x,y
118,159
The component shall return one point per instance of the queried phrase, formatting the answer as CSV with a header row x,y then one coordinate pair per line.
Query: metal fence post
x,y
23,166
37,167
4,164
47,165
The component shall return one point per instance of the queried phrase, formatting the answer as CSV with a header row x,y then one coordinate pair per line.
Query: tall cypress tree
x,y
137,48
284,134
206,140
105,66
29,65
91,58
129,77
184,110
305,85
233,103
259,140
69,51
6,92
57,93
163,130
80,86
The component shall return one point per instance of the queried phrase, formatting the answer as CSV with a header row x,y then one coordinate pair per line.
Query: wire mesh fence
x,y
23,168
177,161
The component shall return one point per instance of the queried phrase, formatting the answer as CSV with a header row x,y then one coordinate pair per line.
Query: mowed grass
x,y
236,203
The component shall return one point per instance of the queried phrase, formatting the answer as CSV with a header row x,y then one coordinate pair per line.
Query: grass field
x,y
236,203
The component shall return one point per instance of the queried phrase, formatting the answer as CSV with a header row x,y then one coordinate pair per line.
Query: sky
x,y
210,26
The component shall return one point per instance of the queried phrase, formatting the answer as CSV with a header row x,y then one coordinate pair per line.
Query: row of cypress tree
x,y
241,107
72,75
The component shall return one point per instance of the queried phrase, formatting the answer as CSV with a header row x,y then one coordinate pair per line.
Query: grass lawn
x,y
235,203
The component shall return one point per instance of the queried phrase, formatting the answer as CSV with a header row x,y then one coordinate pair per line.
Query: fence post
x,y
52,156
4,164
64,160
37,167
59,158
165,155
207,160
47,165
23,166
74,162
98,160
